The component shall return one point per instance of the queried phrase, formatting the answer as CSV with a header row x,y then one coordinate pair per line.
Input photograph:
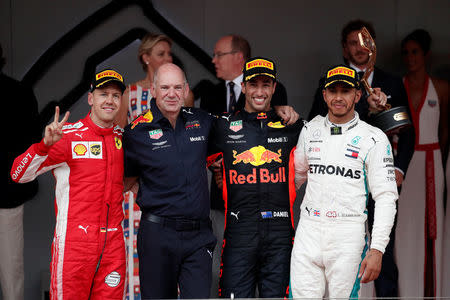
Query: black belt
x,y
178,224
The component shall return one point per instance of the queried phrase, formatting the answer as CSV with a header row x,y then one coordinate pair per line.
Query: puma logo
x,y
227,118
307,209
80,135
84,228
236,215
209,252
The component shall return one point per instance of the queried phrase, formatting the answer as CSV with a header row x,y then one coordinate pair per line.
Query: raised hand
x,y
287,113
53,131
377,101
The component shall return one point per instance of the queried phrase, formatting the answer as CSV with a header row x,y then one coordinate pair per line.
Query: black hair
x,y
356,25
421,37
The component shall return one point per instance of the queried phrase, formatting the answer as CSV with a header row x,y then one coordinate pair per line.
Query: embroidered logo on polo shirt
x,y
192,125
155,134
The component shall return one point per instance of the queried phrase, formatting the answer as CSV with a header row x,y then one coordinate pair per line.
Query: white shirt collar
x,y
370,79
237,88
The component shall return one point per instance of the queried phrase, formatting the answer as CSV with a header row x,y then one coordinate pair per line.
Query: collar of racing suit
x,y
269,115
97,129
344,127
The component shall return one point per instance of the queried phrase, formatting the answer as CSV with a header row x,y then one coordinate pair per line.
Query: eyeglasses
x,y
220,54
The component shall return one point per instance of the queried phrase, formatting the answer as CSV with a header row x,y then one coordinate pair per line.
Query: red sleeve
x,y
38,159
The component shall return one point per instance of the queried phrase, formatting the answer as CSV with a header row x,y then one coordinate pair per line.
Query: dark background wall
x,y
301,36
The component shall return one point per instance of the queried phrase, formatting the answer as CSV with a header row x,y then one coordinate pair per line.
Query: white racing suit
x,y
343,164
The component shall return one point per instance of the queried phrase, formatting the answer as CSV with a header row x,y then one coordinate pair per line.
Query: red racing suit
x,y
88,251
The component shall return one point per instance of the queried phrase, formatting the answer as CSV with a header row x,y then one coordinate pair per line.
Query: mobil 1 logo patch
x,y
281,139
199,138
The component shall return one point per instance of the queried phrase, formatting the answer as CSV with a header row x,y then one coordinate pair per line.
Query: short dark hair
x,y
421,37
238,43
356,25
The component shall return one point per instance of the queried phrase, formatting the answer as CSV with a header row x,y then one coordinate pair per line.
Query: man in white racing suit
x,y
344,159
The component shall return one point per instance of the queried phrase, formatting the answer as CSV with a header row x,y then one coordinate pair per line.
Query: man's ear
x,y
243,87
90,99
358,95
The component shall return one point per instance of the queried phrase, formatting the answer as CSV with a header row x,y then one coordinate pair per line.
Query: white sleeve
x,y
382,185
301,160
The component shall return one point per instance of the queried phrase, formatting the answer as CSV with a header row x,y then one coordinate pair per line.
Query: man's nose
x,y
171,92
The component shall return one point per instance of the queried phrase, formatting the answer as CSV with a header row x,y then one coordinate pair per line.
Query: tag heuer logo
x,y
155,134
236,125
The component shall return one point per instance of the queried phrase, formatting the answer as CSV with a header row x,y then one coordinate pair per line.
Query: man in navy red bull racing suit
x,y
258,189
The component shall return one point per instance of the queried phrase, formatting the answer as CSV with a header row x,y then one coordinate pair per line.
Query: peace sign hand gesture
x,y
53,131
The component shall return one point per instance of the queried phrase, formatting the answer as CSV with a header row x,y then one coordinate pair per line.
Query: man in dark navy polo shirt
x,y
165,149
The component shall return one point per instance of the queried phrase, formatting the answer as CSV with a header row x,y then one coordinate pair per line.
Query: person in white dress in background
x,y
420,229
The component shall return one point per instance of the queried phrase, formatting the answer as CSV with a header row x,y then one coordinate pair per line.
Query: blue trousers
x,y
174,256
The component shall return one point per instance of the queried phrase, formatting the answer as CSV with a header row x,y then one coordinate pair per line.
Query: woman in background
x,y
154,51
420,229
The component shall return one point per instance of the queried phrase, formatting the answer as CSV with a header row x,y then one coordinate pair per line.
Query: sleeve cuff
x,y
41,148
400,170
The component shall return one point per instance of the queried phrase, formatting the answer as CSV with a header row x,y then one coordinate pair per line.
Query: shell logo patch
x,y
118,142
275,124
79,149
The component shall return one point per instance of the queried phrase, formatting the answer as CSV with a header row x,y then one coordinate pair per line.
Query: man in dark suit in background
x,y
230,54
354,55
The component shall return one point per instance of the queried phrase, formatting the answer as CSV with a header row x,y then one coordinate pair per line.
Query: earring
x,y
146,62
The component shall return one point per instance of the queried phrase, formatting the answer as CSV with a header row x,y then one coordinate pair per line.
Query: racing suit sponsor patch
x,y
334,170
96,149
336,130
236,125
21,165
235,136
274,214
118,142
112,279
87,150
275,124
282,139
352,153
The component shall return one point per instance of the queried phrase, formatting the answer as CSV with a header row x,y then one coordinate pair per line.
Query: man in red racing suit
x,y
86,158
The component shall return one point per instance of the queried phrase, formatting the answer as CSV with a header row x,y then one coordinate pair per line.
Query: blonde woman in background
x,y
154,51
